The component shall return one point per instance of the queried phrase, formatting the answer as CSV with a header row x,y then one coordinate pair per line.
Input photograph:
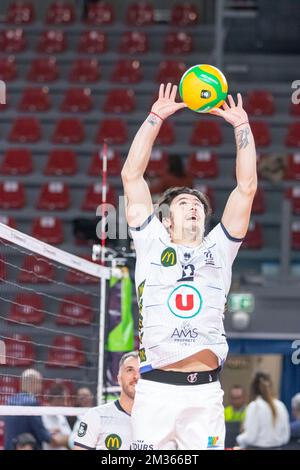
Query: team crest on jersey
x,y
168,257
113,442
82,429
185,301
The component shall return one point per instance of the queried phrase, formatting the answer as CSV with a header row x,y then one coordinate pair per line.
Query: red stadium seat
x,y
254,236
60,13
43,70
293,135
27,308
85,71
9,221
61,162
35,99
68,131
3,266
20,13
66,351
48,229
54,196
36,270
77,100
260,102
261,133
113,163
8,387
52,42
258,206
25,129
12,41
8,70
184,14
209,193
170,71
206,133
17,162
100,13
134,42
113,131
140,14
92,42
178,43
12,195
119,101
295,109
75,310
166,134
203,164
19,351
294,195
158,163
295,235
93,197
127,71
292,170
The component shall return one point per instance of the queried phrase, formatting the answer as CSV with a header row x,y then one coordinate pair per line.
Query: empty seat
x,y
158,163
61,162
85,71
260,102
113,163
92,42
35,99
127,71
294,195
8,387
206,133
140,14
43,70
100,13
7,220
166,135
25,129
258,206
48,229
12,195
293,135
60,13
184,14
254,236
292,170
27,308
295,235
12,41
134,42
20,13
36,270
54,196
68,131
178,42
17,162
66,351
8,70
203,164
75,310
77,100
19,351
93,197
295,109
261,133
119,101
170,71
52,42
113,131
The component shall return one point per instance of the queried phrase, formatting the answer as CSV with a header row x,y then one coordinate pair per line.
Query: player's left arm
x,y
237,211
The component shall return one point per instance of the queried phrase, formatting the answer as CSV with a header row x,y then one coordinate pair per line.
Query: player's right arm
x,y
138,202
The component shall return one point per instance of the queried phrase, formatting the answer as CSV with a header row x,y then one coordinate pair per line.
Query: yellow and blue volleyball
x,y
203,87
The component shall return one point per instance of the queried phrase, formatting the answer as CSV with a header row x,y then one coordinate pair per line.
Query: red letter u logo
x,y
189,302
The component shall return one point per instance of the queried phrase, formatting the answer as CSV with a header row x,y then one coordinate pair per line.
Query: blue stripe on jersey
x,y
144,225
146,368
213,287
230,237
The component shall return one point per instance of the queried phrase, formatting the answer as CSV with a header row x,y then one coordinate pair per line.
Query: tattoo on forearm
x,y
242,138
152,120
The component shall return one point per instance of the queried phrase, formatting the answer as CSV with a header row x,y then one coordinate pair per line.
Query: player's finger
x,y
217,112
239,100
161,91
181,105
167,90
173,92
231,101
225,106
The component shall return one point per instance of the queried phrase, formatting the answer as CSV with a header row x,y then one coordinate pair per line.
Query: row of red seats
x,y
53,41
101,13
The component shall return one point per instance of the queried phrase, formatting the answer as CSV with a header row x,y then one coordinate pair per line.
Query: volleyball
x,y
203,87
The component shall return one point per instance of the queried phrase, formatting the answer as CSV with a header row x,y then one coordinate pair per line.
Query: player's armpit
x,y
236,215
138,202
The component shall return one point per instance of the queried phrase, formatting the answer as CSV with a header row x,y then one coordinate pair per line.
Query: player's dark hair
x,y
126,356
166,199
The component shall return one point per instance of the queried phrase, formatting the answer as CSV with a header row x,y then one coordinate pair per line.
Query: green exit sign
x,y
242,301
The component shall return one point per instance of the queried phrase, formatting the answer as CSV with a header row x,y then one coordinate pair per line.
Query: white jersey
x,y
182,293
105,427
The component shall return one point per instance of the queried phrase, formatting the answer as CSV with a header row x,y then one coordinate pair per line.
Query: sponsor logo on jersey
x,y
185,301
185,334
141,445
209,260
212,442
82,429
113,442
192,378
168,257
142,355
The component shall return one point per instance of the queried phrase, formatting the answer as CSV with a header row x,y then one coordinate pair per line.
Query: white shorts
x,y
185,417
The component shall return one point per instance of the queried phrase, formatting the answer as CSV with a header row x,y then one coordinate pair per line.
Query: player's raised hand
x,y
231,112
166,104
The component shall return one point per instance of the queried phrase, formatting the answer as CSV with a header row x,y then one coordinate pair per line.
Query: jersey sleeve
x,y
226,245
88,431
144,236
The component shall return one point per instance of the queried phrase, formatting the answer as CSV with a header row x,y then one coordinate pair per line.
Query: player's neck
x,y
188,238
126,403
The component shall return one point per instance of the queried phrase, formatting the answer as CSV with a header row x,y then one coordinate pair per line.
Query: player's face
x,y
187,215
128,376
